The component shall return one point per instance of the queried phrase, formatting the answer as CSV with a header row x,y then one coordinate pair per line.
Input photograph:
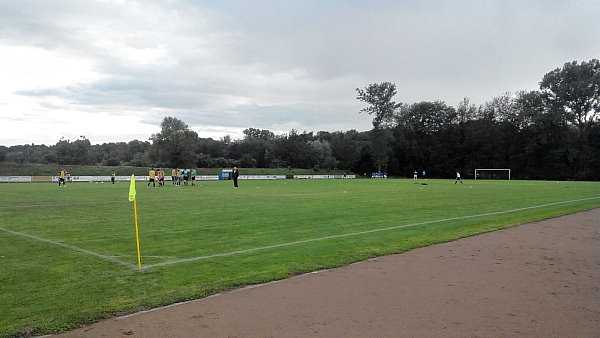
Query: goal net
x,y
492,174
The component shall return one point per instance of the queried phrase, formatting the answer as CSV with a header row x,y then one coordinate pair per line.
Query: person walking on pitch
x,y
458,178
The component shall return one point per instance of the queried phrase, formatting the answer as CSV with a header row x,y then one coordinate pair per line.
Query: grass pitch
x,y
68,255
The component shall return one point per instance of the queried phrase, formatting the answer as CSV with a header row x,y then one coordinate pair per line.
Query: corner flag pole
x,y
132,198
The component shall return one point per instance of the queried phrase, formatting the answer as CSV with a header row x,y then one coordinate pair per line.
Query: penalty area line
x,y
237,252
72,247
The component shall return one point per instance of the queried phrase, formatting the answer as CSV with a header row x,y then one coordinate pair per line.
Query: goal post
x,y
491,171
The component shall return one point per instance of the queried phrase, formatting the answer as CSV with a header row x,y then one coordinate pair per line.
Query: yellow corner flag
x,y
137,234
132,189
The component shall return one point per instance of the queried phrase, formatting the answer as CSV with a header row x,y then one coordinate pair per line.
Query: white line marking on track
x,y
185,260
72,247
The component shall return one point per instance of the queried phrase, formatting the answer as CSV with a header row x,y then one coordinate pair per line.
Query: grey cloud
x,y
282,64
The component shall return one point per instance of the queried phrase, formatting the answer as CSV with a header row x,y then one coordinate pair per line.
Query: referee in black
x,y
235,175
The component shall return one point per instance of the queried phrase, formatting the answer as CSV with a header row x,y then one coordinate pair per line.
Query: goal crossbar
x,y
476,170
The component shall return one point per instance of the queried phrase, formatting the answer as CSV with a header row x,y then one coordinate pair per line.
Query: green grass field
x,y
68,255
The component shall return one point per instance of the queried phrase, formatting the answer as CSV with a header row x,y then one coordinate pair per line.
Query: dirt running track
x,y
536,280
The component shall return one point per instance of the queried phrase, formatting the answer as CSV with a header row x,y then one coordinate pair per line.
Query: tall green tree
x,y
575,89
76,152
294,150
3,152
425,137
346,147
257,143
379,97
573,92
466,110
175,145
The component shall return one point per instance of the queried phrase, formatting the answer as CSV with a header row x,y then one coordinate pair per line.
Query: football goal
x,y
492,174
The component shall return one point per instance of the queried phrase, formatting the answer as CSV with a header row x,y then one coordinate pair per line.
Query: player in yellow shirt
x,y
173,176
178,177
61,177
151,176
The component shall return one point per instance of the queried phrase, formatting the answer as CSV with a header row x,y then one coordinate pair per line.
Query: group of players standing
x,y
177,176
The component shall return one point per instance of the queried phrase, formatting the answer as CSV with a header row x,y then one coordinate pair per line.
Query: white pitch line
x,y
143,256
72,247
357,233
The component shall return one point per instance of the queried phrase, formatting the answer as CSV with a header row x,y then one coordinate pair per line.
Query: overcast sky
x,y
111,70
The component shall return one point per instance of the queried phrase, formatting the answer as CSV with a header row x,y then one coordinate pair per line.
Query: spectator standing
x,y
235,175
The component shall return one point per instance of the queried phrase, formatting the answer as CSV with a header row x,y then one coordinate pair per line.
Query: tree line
x,y
550,133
